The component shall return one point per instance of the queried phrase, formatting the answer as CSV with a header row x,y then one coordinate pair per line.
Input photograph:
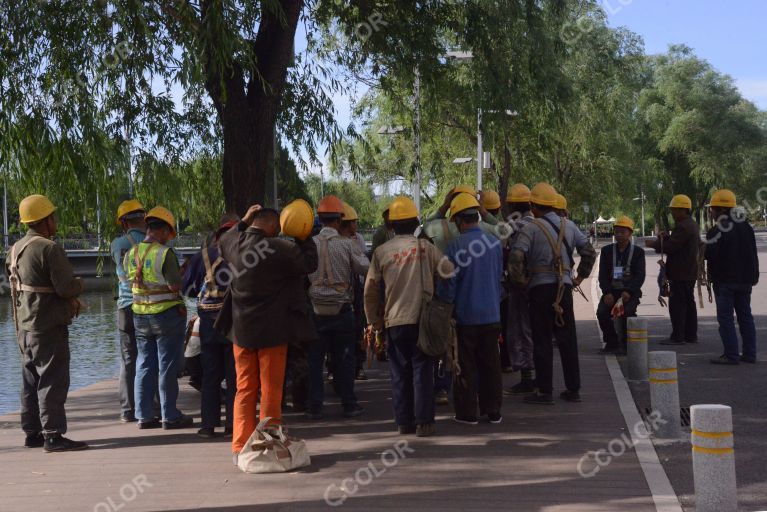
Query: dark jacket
x,y
194,285
634,277
731,253
266,304
682,249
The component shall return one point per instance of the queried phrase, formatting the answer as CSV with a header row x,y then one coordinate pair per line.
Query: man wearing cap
x,y
340,259
682,247
407,267
349,230
44,294
621,276
130,217
733,266
475,290
540,261
159,317
206,278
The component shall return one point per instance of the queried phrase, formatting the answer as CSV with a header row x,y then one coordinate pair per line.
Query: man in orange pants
x,y
267,310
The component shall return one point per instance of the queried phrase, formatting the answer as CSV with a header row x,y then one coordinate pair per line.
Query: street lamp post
x,y
417,140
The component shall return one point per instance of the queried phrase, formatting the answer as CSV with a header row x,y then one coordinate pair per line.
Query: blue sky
x,y
731,35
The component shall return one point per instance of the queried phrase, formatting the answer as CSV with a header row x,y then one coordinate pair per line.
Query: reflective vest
x,y
143,266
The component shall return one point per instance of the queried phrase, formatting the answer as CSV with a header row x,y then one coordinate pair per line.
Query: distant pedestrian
x,y
681,268
348,229
733,266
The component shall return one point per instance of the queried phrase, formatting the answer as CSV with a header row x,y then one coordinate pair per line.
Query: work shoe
x,y
34,441
748,359
153,423
206,433
570,396
669,341
465,421
494,417
361,375
62,444
127,418
425,430
539,399
723,359
353,411
314,415
406,429
442,398
183,421
524,387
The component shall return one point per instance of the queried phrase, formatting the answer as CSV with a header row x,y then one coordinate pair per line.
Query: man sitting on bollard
x,y
733,265
621,276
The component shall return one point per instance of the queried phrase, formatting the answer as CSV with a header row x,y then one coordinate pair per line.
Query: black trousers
x,y
480,381
504,347
298,369
544,328
45,380
607,324
683,312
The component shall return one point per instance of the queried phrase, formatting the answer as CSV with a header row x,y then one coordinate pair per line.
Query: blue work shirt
x,y
120,246
475,288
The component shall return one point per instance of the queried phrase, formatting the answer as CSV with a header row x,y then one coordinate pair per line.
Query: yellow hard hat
x,y
402,208
128,206
624,222
349,212
491,200
519,193
35,208
462,202
468,189
724,198
681,201
163,214
297,219
544,195
561,203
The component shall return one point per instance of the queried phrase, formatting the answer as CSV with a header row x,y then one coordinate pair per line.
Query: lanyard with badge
x,y
621,273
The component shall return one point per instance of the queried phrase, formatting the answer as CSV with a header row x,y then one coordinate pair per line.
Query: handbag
x,y
271,450
436,325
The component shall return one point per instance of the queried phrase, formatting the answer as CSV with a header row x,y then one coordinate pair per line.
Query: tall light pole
x,y
641,198
417,140
5,215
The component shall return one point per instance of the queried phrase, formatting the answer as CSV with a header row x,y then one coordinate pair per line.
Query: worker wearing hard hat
x,y
340,259
733,266
349,229
682,247
44,294
475,291
621,276
159,317
517,349
130,218
384,233
406,267
540,259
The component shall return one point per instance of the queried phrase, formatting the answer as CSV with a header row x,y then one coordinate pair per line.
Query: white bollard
x,y
713,459
664,394
636,333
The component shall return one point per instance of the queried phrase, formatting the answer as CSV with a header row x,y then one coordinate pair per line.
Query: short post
x,y
713,459
636,337
664,394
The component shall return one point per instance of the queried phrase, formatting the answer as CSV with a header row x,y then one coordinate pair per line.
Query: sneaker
x,y
206,433
314,415
127,418
494,417
669,341
360,375
62,444
153,423
425,430
406,429
183,421
353,411
465,421
723,359
570,396
524,387
539,399
34,441
442,398
748,359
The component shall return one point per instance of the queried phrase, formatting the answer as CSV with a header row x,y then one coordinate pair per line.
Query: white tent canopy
x,y
601,220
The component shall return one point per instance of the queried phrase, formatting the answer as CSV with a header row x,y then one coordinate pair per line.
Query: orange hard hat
x,y
330,204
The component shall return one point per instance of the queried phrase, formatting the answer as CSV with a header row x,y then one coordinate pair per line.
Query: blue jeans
x,y
412,377
160,341
336,335
737,298
217,360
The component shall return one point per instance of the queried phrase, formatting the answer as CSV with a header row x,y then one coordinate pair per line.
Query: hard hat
x,y
297,219
681,201
163,214
491,200
624,222
544,195
349,212
461,203
128,206
561,202
35,208
724,198
330,204
402,208
519,193
464,188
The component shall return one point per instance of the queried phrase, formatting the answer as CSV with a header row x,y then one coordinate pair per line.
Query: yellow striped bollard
x,y
664,394
713,459
636,337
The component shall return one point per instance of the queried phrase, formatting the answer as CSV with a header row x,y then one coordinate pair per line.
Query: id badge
x,y
618,273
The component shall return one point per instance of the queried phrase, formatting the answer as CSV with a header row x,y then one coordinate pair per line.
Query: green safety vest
x,y
151,294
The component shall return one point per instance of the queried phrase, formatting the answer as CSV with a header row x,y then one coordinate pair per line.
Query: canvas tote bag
x,y
271,450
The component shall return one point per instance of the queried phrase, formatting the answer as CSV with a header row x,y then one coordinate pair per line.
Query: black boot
x,y
62,444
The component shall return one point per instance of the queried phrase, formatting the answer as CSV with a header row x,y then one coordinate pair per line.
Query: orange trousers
x,y
262,369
